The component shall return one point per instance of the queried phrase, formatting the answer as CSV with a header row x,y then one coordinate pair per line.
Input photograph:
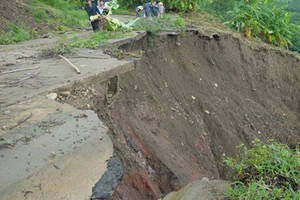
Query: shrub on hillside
x,y
266,171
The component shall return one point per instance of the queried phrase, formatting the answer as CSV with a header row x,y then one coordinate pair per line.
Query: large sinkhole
x,y
189,102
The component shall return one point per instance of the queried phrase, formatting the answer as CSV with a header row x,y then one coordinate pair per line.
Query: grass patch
x,y
58,15
168,23
53,17
17,33
266,171
67,45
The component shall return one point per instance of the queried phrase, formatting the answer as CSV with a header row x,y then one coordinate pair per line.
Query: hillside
x,y
16,11
23,20
175,105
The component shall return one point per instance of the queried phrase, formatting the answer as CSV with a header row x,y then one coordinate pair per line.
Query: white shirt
x,y
101,8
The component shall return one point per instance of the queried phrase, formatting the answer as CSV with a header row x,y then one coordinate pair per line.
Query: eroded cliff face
x,y
190,101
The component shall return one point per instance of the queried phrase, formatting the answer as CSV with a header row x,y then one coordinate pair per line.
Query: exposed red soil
x,y
191,101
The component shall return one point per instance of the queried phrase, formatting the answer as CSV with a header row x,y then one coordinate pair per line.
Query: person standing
x,y
93,13
147,9
103,7
154,8
139,11
161,10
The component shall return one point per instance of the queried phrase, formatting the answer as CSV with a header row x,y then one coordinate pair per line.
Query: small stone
x,y
52,154
205,179
193,97
206,111
65,94
52,96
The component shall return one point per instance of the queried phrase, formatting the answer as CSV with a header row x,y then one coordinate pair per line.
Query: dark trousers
x,y
95,25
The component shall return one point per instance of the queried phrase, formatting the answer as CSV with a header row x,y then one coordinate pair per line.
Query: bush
x,y
260,18
266,171
168,23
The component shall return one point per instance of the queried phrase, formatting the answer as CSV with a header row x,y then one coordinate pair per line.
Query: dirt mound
x,y
191,101
15,11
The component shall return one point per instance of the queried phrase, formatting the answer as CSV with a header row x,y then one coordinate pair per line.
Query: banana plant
x,y
183,6
260,18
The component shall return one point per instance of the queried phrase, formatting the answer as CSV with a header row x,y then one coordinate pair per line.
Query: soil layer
x,y
190,101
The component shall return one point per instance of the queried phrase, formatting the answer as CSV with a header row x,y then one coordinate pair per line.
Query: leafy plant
x,y
260,18
183,6
169,22
265,171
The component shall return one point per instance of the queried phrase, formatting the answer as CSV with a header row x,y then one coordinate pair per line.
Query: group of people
x,y
149,9
95,10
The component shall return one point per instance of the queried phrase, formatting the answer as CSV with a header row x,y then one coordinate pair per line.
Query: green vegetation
x,y
264,19
67,45
169,22
257,18
17,33
58,13
292,6
266,171
274,21
183,6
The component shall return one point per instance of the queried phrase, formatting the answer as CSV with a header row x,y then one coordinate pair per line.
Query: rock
x,y
201,190
65,94
52,154
105,187
52,96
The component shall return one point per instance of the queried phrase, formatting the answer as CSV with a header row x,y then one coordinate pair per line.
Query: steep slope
x,y
191,101
15,11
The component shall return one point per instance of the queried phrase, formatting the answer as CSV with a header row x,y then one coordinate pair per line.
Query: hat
x,y
140,7
160,3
